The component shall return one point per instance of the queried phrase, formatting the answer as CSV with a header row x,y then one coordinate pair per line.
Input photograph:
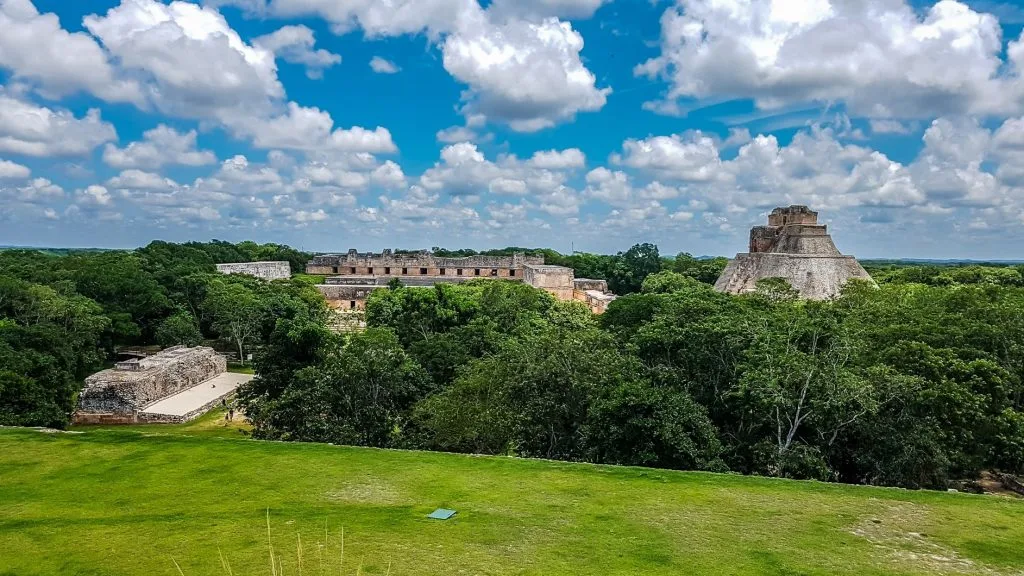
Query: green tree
x,y
236,311
706,270
665,282
49,341
360,394
798,379
632,267
179,328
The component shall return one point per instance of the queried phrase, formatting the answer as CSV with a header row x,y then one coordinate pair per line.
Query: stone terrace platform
x,y
194,401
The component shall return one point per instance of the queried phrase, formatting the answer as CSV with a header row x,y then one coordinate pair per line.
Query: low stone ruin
x,y
120,394
266,270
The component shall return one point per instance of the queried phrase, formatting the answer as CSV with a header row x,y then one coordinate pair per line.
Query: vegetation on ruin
x,y
135,501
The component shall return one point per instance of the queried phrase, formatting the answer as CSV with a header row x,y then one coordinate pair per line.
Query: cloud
x,y
611,187
31,130
311,129
888,127
521,63
37,192
688,157
467,133
546,8
382,66
139,180
238,169
388,175
455,134
294,44
526,74
36,49
558,159
193,63
94,196
12,171
160,146
882,58
305,216
465,171
375,18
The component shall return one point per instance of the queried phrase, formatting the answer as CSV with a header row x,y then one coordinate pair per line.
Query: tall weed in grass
x,y
329,561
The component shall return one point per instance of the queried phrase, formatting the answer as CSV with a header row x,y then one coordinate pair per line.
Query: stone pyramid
x,y
795,247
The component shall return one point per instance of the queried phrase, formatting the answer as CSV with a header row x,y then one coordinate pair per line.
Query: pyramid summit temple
x,y
793,246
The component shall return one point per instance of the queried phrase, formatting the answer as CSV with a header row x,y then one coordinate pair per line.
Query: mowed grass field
x,y
148,500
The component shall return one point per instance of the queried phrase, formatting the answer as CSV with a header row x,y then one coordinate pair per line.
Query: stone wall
x,y
792,239
122,393
814,277
796,214
418,264
265,270
596,300
589,284
557,280
347,297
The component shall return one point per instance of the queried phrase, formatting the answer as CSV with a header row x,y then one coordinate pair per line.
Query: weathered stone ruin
x,y
423,263
266,270
352,276
122,394
795,247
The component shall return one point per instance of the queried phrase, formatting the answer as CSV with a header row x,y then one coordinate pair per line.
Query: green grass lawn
x,y
137,500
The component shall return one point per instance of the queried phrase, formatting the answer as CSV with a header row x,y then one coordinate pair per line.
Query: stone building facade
x,y
351,277
795,247
122,393
278,270
424,263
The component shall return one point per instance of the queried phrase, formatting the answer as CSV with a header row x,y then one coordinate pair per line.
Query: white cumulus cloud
x,y
382,66
295,44
160,146
882,58
31,130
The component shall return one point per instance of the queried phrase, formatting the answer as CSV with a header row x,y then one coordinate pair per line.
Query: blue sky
x,y
586,124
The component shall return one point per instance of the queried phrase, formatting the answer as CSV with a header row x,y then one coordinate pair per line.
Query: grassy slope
x,y
127,501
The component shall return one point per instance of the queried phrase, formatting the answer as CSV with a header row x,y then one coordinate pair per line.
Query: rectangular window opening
x,y
387,271
442,271
352,304
494,271
458,272
352,270
476,272
423,271
405,271
512,273
369,270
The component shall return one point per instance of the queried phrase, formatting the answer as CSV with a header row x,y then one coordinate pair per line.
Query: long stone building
x,y
351,277
275,270
795,247
174,385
